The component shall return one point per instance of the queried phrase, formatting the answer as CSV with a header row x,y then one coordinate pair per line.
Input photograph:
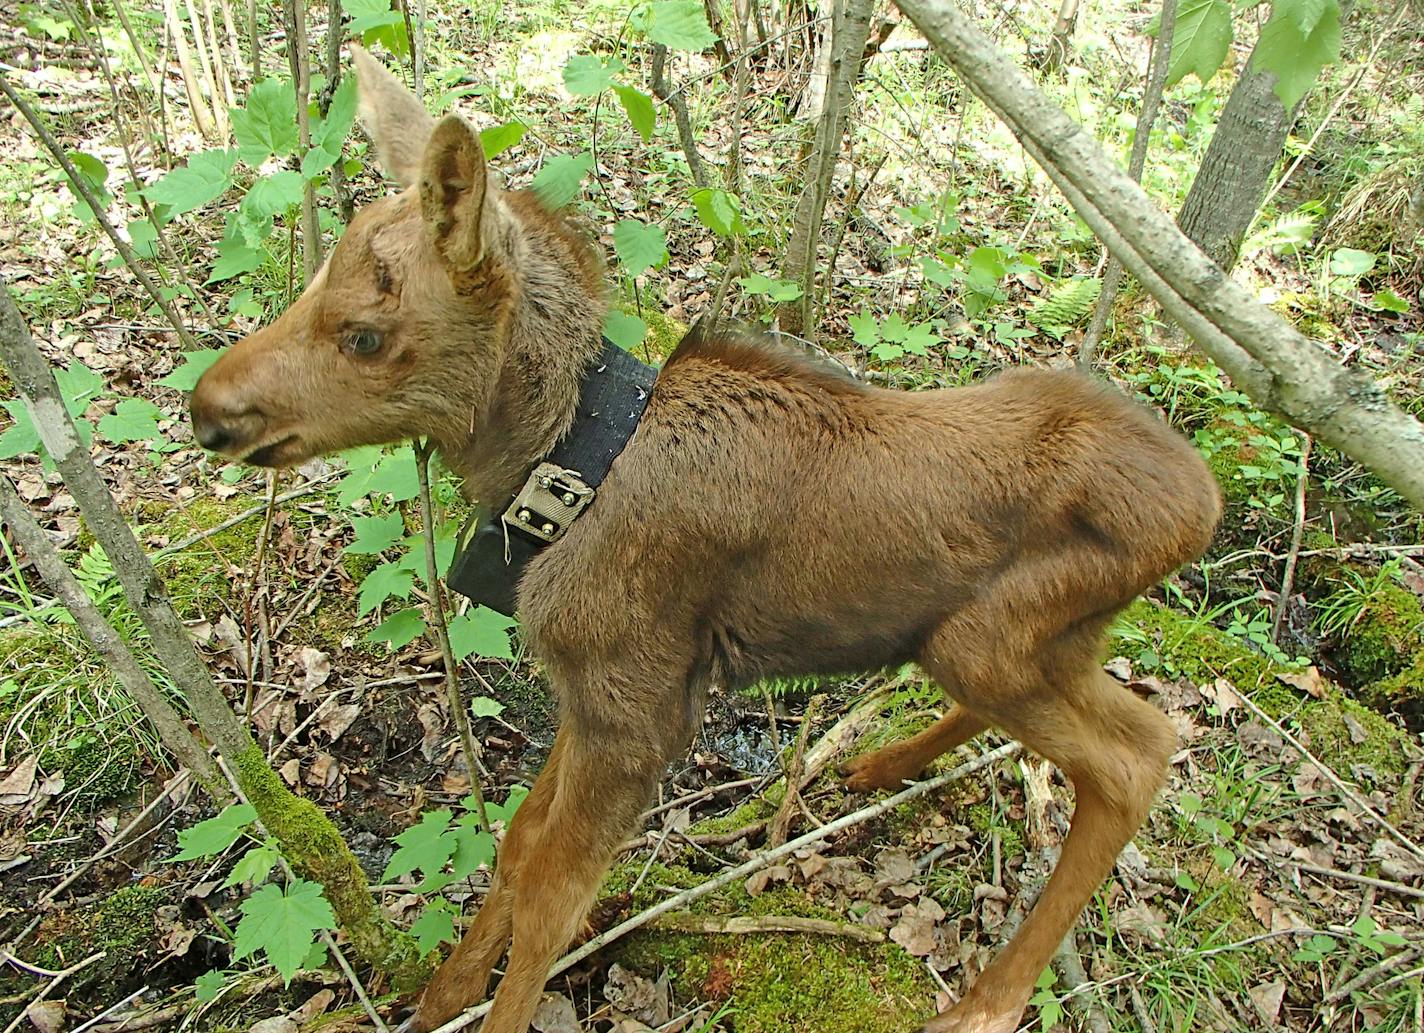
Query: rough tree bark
x,y
1060,44
1282,370
309,839
1236,169
1151,103
851,30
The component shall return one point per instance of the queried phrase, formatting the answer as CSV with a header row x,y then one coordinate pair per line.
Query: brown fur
x,y
769,516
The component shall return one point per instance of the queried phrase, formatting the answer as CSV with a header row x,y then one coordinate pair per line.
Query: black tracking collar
x,y
612,397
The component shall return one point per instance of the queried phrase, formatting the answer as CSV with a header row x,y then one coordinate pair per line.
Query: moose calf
x,y
768,517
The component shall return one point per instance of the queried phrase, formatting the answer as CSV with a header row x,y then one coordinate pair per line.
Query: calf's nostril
x,y
212,436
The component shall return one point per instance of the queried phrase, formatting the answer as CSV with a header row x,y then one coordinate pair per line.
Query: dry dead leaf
x,y
1223,694
555,1015
336,720
894,865
1267,998
313,1006
275,1024
46,1016
915,931
759,881
1308,681
1141,924
638,996
19,785
316,665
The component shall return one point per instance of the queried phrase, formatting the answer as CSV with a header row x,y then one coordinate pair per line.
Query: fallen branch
x,y
55,980
1281,369
732,875
1297,532
795,771
743,925
1364,880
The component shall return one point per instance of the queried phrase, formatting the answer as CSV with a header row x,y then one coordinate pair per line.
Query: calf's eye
x,y
363,342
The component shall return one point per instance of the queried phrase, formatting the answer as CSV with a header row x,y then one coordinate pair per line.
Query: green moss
x,y
664,333
981,820
753,810
779,983
313,844
1402,692
125,919
1198,650
1387,637
97,770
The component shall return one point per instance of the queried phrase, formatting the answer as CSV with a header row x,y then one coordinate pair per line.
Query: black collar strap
x,y
612,397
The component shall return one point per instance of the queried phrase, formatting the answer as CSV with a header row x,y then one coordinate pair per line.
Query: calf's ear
x,y
453,186
396,121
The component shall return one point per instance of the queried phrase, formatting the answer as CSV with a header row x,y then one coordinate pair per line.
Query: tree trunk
x,y
1060,44
1281,369
1236,170
851,31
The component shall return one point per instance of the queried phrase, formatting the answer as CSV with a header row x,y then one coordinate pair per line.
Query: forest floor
x,y
1278,882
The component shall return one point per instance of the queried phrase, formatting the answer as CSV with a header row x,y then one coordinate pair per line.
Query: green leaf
x,y
776,290
1200,39
484,706
425,846
482,631
719,211
369,14
625,330
1294,56
374,472
195,364
639,107
267,126
864,329
273,195
235,257
383,582
639,245
376,534
1305,15
95,174
21,439
78,386
434,926
255,865
497,139
133,419
920,338
206,176
414,558
985,267
501,811
216,834
586,75
143,238
473,847
282,924
561,179
329,134
1388,301
207,986
1351,262
894,329
399,629
679,25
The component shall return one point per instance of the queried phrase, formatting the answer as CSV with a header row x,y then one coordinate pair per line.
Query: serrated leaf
x,y
623,329
400,629
502,811
497,139
143,238
216,834
272,195
434,926
207,986
329,134
1200,39
282,925
587,75
195,364
920,338
389,579
254,866
95,174
267,126
424,847
484,706
78,386
639,245
473,847
639,108
206,176
374,472
21,439
1067,304
561,179
1297,58
376,534
484,632
679,25
1305,15
776,290
894,328
718,210
864,329
414,558
133,419
235,257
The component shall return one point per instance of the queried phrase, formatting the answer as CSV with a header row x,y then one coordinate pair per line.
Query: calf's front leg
x,y
551,865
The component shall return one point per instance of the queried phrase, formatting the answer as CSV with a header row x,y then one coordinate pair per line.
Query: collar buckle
x,y
552,497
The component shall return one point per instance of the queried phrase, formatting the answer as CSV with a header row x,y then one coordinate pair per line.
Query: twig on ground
x,y
90,1024
795,771
41,992
247,514
701,794
1349,794
1288,578
1388,964
1364,880
741,925
761,860
1139,1009
1070,966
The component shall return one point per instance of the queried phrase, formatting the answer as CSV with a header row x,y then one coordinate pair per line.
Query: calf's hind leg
x,y
1114,748
890,766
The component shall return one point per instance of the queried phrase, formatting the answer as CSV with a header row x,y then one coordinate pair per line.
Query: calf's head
x,y
399,334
